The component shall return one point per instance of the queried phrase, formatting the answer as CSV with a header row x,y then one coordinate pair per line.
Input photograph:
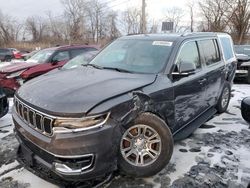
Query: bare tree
x,y
74,11
215,14
36,26
239,20
112,30
190,5
6,29
131,20
174,14
154,27
95,17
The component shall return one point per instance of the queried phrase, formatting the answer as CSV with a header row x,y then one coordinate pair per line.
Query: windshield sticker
x,y
162,43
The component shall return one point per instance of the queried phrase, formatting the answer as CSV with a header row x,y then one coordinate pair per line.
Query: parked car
x,y
245,109
17,54
28,55
4,104
15,74
125,108
243,66
6,54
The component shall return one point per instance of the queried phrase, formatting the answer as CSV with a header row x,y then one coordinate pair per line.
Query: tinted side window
x,y
4,51
91,49
189,53
210,51
77,52
61,56
227,48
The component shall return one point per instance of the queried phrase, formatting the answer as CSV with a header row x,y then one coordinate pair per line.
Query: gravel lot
x,y
216,155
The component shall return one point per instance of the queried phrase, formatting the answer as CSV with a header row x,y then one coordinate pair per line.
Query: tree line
x,y
95,21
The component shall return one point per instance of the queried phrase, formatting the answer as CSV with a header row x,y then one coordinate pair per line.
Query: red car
x,y
17,54
15,74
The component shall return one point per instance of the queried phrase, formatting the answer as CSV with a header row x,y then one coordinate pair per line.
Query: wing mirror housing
x,y
185,68
54,62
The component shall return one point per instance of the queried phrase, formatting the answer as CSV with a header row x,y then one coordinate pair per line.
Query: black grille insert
x,y
34,119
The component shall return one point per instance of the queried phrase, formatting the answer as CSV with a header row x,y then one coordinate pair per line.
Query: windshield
x,y
41,56
80,60
140,56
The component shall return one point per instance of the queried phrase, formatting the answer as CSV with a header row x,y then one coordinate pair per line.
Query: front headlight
x,y
15,74
62,125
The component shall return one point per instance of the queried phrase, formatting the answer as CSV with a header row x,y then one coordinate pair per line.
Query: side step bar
x,y
190,128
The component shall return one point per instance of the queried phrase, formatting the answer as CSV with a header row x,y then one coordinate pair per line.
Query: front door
x,y
189,91
58,60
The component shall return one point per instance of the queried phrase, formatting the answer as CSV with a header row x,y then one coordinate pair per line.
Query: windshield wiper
x,y
117,69
93,65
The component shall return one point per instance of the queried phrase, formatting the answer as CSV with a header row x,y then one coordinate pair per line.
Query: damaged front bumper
x,y
69,157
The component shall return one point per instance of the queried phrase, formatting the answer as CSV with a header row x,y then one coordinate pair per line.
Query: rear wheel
x,y
146,146
224,98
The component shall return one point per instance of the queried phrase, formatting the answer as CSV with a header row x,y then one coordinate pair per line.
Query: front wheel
x,y
146,146
224,99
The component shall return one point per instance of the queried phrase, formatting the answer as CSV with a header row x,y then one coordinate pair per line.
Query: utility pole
x,y
143,18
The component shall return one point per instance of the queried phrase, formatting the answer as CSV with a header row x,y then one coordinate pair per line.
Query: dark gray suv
x,y
124,109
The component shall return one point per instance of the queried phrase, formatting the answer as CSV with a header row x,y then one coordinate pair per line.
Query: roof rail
x,y
195,33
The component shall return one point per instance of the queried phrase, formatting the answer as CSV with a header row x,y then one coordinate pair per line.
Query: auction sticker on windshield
x,y
162,43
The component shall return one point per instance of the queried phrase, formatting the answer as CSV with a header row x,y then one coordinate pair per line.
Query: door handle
x,y
201,81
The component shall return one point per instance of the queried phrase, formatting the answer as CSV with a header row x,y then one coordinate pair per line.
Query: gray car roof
x,y
170,37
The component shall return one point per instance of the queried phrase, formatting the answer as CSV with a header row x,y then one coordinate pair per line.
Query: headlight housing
x,y
15,74
65,125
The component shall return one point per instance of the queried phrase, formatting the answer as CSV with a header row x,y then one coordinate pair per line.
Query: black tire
x,y
7,58
164,156
222,105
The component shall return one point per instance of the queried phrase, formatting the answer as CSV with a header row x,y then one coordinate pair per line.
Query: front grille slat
x,y
25,114
31,118
34,119
39,121
47,125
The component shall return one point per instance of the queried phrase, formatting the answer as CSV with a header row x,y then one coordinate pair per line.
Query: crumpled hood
x,y
76,91
14,67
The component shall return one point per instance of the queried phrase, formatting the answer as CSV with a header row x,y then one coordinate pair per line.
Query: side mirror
x,y
187,67
54,61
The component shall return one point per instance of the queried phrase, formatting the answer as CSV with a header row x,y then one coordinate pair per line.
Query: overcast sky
x,y
21,9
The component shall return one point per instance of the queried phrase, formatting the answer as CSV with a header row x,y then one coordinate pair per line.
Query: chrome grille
x,y
33,118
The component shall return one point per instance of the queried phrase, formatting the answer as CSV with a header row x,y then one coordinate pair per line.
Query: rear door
x,y
215,69
189,91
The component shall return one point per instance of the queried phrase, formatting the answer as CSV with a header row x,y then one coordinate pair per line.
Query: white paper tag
x,y
162,43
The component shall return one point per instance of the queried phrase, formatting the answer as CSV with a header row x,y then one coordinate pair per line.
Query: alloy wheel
x,y
140,145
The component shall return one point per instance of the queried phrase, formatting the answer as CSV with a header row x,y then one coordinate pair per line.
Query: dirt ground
x,y
215,155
